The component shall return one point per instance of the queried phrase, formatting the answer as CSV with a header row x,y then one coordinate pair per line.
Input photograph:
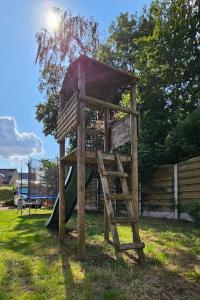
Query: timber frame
x,y
91,84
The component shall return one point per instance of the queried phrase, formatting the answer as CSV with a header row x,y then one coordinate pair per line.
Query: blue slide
x,y
70,197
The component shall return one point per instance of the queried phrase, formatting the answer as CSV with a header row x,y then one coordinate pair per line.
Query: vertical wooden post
x,y
106,148
81,164
62,183
134,153
134,172
62,195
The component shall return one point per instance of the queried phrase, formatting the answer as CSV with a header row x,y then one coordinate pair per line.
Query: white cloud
x,y
15,144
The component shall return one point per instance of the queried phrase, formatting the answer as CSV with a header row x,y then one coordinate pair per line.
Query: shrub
x,y
6,194
193,209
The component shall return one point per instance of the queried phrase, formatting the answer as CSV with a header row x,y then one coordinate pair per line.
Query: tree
x,y
121,46
168,61
49,176
162,46
74,36
183,141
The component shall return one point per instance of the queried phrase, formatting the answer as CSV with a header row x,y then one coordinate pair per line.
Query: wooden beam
x,y
106,149
134,153
134,173
81,163
91,158
62,183
90,101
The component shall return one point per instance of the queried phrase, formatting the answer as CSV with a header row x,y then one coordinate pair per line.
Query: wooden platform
x,y
91,158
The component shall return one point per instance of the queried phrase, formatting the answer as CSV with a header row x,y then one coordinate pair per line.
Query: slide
x,y
70,197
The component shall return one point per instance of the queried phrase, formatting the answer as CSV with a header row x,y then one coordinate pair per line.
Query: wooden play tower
x,y
90,84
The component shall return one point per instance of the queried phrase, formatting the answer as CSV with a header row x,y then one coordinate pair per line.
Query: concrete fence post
x,y
176,200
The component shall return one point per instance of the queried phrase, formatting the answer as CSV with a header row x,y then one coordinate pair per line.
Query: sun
x,y
52,20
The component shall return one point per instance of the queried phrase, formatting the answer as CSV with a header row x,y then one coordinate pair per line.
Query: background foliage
x,y
6,194
162,46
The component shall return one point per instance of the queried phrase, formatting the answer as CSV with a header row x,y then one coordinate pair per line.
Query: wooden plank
x,y
130,246
189,188
158,190
81,164
66,112
190,166
106,149
100,103
69,106
119,196
189,195
111,157
120,133
134,154
134,171
162,176
62,197
160,182
91,157
190,181
115,174
189,169
62,185
123,220
189,174
163,173
67,128
61,123
157,204
69,114
159,196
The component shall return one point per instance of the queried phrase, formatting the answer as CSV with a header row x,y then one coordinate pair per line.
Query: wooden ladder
x,y
128,198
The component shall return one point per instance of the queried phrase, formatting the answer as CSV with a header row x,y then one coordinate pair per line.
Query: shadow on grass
x,y
100,276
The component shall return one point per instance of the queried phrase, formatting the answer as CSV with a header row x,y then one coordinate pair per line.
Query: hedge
x,y
6,193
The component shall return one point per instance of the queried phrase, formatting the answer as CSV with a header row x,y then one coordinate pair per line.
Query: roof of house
x,y
102,81
7,174
23,175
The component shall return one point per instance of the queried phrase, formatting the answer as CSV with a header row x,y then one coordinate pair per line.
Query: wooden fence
x,y
171,188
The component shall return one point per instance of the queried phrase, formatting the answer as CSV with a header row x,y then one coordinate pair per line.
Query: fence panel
x,y
189,181
158,195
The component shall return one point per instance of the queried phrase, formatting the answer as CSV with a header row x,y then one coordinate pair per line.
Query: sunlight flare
x,y
52,20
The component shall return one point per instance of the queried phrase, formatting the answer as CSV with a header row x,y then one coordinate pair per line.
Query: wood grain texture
x,y
81,164
120,133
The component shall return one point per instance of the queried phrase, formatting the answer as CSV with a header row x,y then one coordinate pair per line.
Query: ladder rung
x,y
124,247
119,196
114,174
123,220
111,157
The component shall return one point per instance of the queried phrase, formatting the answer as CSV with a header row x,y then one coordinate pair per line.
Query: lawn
x,y
33,266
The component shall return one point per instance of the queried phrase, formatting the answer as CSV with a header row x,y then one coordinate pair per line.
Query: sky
x,y
20,133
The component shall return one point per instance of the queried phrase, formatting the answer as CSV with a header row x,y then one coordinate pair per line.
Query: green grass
x,y
34,267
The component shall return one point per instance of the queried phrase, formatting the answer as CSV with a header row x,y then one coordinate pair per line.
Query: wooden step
x,y
123,220
114,196
124,247
114,174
